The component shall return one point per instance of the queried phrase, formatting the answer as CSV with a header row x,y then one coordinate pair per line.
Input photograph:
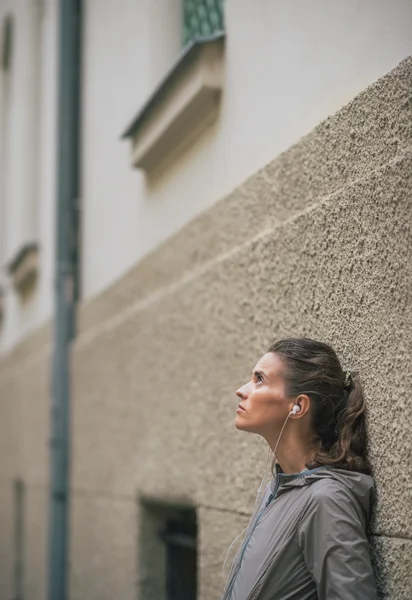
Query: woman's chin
x,y
240,423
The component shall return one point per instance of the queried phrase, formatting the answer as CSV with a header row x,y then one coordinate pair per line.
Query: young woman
x,y
307,538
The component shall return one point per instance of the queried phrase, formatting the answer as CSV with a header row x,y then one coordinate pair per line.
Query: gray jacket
x,y
307,540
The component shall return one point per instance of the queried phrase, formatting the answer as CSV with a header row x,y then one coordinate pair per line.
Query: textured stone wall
x,y
316,243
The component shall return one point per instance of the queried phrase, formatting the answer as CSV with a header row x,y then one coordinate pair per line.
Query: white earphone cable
x,y
292,412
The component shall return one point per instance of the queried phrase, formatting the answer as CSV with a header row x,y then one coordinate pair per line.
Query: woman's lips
x,y
240,408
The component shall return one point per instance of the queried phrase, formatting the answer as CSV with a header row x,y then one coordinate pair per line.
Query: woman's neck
x,y
290,464
293,452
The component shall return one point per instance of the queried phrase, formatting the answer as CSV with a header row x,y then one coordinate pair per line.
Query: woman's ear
x,y
304,402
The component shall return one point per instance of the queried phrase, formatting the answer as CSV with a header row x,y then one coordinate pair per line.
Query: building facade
x,y
244,172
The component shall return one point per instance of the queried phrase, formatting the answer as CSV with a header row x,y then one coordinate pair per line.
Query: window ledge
x,y
2,305
24,267
184,103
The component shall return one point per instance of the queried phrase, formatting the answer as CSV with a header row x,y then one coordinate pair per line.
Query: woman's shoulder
x,y
341,489
323,490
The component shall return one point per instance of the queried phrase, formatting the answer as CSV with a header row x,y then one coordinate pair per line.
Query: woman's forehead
x,y
270,363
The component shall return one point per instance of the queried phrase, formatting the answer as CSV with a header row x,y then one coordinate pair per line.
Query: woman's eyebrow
x,y
261,373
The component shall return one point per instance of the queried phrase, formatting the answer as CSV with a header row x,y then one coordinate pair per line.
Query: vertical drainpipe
x,y
66,291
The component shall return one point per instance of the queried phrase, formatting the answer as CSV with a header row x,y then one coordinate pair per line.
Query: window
x,y
7,43
187,100
5,87
179,537
168,553
19,490
20,144
201,18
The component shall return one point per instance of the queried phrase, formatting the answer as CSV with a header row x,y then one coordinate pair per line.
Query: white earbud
x,y
296,409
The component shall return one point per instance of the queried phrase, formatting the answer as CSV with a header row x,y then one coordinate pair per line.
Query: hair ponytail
x,y
349,451
338,408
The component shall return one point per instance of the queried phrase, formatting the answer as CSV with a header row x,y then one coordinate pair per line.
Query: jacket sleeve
x,y
335,546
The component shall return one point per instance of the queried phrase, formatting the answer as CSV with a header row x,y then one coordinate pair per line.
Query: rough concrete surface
x,y
104,532
316,243
218,529
392,564
35,541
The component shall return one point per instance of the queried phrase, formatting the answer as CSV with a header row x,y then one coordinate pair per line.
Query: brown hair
x,y
337,402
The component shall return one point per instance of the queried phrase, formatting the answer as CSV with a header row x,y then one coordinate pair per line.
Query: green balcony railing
x,y
201,18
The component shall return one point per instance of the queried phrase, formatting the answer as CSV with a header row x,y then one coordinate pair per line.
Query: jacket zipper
x,y
246,542
270,499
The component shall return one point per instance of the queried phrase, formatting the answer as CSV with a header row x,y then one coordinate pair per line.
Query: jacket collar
x,y
283,481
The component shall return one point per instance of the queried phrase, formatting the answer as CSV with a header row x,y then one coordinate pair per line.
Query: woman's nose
x,y
241,393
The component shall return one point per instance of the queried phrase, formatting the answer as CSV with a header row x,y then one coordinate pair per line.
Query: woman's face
x,y
263,399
